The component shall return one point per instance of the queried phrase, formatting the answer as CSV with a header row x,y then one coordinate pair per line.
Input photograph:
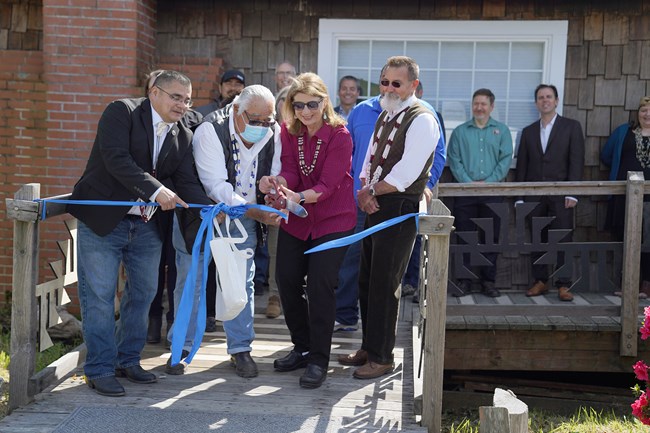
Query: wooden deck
x,y
210,384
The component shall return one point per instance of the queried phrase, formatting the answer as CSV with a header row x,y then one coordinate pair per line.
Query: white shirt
x,y
420,143
157,145
211,164
545,132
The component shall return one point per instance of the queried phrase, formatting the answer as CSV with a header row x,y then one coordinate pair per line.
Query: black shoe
x,y
211,324
153,332
490,290
136,374
313,377
108,386
293,361
463,287
178,369
244,364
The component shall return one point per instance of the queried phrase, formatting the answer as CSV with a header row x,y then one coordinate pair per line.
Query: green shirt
x,y
480,154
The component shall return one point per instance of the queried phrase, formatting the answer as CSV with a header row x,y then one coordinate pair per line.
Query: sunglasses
x,y
312,105
254,122
395,84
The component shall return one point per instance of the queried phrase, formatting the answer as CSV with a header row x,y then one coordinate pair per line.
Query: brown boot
x,y
357,358
564,294
372,370
539,288
273,309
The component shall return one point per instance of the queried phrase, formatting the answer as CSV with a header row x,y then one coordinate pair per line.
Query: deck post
x,y
437,226
631,260
24,323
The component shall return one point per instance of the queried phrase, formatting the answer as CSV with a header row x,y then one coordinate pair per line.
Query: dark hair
x,y
352,78
546,86
484,92
167,76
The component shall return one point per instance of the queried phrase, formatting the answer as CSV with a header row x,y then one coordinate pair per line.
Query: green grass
x,y
586,420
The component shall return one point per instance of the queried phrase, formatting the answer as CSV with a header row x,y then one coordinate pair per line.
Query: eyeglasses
x,y
177,98
312,105
254,122
395,84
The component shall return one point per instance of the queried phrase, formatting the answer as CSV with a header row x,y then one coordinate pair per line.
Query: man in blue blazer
x,y
552,149
142,153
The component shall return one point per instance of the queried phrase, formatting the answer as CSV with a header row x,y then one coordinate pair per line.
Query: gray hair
x,y
243,100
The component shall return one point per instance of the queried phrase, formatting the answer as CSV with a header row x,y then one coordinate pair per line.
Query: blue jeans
x,y
347,292
262,266
137,244
239,331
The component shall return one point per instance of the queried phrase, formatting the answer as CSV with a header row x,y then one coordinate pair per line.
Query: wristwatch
x,y
302,198
372,191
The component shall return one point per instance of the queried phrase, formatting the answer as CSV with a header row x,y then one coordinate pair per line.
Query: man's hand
x,y
570,202
266,183
428,195
367,202
268,218
168,199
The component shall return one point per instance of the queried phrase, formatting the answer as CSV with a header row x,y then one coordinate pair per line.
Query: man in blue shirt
x,y
361,124
480,150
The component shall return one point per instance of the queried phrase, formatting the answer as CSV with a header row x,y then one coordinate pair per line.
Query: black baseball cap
x,y
233,73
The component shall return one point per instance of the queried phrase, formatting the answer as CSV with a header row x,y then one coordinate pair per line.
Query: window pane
x,y
497,82
492,55
522,85
456,85
456,55
429,84
353,54
527,55
521,114
424,53
382,50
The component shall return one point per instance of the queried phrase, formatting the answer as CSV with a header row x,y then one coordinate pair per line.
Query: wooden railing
x,y
437,226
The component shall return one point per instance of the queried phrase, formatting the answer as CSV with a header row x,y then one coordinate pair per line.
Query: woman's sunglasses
x,y
395,84
312,105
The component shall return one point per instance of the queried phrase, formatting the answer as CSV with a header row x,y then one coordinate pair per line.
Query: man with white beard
x,y
395,173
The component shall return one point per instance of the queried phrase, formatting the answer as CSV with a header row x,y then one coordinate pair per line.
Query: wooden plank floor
x,y
210,384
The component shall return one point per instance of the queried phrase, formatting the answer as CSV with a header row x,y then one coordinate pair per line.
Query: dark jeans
x,y
262,266
166,272
384,256
552,206
412,275
466,208
310,319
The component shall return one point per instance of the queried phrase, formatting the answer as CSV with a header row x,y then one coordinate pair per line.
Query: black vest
x,y
220,121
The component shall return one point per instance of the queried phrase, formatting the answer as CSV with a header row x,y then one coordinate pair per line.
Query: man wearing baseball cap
x,y
233,82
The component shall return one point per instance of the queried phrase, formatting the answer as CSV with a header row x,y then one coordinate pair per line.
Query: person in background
x,y
551,149
480,150
232,83
316,154
349,91
395,173
284,73
273,306
142,152
628,149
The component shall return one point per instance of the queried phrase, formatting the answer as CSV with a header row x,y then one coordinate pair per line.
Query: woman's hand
x,y
266,183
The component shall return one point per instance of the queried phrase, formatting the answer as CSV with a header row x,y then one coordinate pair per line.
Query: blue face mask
x,y
253,134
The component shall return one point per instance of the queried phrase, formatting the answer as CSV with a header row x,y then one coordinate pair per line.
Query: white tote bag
x,y
231,271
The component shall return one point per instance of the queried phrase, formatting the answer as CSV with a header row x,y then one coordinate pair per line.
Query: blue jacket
x,y
611,153
361,124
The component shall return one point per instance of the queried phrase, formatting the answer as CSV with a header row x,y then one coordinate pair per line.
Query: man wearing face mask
x,y
232,152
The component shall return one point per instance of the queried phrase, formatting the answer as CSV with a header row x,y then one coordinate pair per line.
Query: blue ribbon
x,y
205,234
349,240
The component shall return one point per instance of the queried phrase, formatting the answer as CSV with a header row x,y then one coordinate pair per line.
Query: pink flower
x,y
645,331
641,371
639,408
646,311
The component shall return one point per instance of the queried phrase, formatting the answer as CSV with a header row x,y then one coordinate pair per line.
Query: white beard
x,y
390,102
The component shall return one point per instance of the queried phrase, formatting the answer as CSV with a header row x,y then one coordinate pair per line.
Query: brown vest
x,y
397,148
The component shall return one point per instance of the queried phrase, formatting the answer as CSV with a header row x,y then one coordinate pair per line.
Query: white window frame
x,y
552,33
